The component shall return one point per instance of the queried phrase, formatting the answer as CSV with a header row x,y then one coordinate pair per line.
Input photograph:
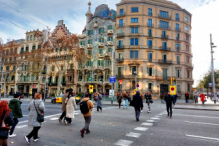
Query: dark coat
x,y
187,96
9,121
169,99
148,98
15,106
137,101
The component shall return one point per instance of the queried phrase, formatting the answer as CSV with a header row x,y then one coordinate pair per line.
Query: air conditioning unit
x,y
110,43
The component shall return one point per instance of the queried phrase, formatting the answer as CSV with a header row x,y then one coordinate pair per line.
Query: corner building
x,y
153,44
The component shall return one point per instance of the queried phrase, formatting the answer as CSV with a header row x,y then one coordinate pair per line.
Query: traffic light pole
x,y
1,79
112,75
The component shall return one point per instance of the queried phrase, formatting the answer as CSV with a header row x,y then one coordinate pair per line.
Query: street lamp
x,y
1,79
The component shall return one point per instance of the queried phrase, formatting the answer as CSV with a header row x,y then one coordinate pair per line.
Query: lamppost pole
x,y
46,78
1,79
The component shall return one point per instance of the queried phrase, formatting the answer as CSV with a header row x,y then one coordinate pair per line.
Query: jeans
x,y
125,103
62,115
34,133
169,109
13,126
137,113
87,123
99,107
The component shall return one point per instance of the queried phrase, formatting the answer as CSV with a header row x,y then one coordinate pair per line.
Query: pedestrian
x,y
196,97
125,100
148,98
36,106
15,106
119,99
99,103
187,97
175,98
70,108
138,104
169,101
87,116
64,105
6,116
203,98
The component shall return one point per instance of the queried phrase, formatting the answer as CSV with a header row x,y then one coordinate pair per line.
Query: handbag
x,y
4,125
40,117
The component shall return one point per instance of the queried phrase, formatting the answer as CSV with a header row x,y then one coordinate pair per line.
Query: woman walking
x,y
125,100
36,106
6,116
148,98
70,108
119,99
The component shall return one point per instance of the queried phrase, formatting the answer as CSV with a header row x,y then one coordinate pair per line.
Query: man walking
x,y
138,104
169,100
99,103
64,105
88,105
15,106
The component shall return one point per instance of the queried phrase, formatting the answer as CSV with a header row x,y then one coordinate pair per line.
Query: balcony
x,y
150,25
149,34
164,27
110,43
165,61
177,19
119,76
108,54
110,32
121,25
150,47
120,34
163,48
70,71
177,38
177,49
150,14
120,15
149,59
178,62
120,47
89,56
81,46
100,45
166,77
164,17
89,46
100,55
120,60
178,29
164,36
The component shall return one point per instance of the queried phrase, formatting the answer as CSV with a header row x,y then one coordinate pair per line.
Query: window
x,y
121,12
109,27
28,38
82,43
101,40
164,57
186,19
150,57
164,14
89,52
177,35
150,71
187,59
178,59
89,41
7,67
14,68
150,86
150,22
100,51
133,54
134,20
121,23
134,41
188,87
12,78
178,46
100,62
39,46
186,28
164,24
27,49
120,71
88,63
101,30
110,38
120,43
178,89
178,73
134,9
134,70
164,73
164,45
134,29
177,17
149,32
60,49
187,47
57,49
150,43
31,37
177,27
187,73
150,12
90,32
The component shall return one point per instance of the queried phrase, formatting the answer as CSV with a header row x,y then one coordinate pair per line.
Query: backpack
x,y
84,107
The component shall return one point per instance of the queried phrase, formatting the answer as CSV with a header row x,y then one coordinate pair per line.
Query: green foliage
x,y
79,94
207,79
52,94
191,97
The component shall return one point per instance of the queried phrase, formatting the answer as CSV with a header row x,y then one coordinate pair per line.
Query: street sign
x,y
91,88
135,91
137,85
172,90
89,78
210,84
111,92
112,79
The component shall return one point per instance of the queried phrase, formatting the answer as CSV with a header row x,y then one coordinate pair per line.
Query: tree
x,y
207,79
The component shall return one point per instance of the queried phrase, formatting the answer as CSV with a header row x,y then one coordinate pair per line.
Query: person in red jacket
x,y
202,96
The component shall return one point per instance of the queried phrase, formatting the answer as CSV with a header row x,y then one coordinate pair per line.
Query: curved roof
x,y
103,11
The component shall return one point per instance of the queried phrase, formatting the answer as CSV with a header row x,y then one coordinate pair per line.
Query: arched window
x,y
31,37
22,78
28,38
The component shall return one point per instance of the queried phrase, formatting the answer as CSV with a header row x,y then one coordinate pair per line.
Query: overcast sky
x,y
14,24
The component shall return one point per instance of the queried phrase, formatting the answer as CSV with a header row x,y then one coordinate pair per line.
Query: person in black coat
x,y
169,100
148,98
138,104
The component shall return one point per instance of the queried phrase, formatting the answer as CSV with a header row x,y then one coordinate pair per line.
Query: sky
x,y
19,16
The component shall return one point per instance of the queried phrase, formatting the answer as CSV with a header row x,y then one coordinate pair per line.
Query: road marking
x,y
155,118
21,126
197,116
52,115
141,129
147,124
54,119
132,134
23,122
202,123
122,142
151,121
77,113
201,137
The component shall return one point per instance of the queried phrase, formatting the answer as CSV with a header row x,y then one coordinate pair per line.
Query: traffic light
x,y
174,81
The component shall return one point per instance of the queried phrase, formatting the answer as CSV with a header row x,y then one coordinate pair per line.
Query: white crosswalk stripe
x,y
122,142
132,134
141,129
147,124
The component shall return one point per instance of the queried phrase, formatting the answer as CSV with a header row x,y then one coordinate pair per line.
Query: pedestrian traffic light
x,y
174,81
120,82
171,80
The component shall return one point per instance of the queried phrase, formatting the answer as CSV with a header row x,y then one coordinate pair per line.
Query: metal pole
x,y
1,79
112,75
212,71
46,78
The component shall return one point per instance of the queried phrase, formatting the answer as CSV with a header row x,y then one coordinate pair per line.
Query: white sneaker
x,y
66,123
13,135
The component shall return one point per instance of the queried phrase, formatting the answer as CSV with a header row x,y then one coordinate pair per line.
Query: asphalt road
x,y
116,126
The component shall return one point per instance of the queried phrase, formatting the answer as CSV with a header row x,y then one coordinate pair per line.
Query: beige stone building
x,y
153,44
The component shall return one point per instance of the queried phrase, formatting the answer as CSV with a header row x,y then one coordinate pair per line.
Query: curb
x,y
196,109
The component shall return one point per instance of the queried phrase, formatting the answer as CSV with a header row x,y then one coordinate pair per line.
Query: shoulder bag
x,y
4,125
40,117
